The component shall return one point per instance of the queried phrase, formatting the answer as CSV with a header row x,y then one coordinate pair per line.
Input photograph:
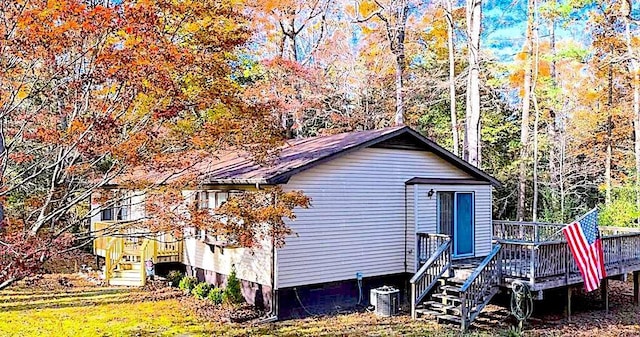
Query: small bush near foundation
x,y
216,295
233,291
201,290
174,277
188,283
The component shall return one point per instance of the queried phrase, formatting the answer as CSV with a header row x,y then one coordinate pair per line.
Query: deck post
x,y
636,287
604,289
532,265
569,303
413,300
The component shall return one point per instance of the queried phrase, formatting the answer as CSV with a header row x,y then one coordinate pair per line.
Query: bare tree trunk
x,y
452,77
636,109
526,105
607,168
472,127
395,34
553,130
288,45
563,151
7,283
534,208
636,129
400,66
534,211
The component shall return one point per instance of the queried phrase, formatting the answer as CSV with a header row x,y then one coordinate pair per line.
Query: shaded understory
x,y
81,309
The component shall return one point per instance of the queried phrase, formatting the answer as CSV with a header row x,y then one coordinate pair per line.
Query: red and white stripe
x,y
589,258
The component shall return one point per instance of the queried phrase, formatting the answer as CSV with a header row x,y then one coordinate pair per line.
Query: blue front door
x,y
463,228
456,219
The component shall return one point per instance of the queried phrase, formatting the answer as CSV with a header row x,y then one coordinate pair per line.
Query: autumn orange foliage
x,y
91,92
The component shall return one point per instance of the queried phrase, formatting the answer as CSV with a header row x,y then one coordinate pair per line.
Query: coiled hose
x,y
521,302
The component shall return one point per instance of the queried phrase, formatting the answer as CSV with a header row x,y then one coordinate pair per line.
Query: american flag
x,y
583,237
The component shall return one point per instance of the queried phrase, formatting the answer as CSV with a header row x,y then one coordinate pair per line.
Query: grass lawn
x,y
111,311
83,310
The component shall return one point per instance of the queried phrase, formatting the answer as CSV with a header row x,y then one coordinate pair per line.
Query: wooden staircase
x,y
454,294
443,304
124,265
127,276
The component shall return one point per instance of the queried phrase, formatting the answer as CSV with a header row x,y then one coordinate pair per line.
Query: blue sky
x,y
504,27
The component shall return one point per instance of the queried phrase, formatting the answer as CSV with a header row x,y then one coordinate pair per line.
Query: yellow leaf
x,y
22,93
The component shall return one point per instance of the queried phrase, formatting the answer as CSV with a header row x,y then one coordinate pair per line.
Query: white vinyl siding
x,y
253,265
427,217
411,233
357,219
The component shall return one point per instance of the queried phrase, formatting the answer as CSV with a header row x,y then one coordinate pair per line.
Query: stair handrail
x,y
148,250
114,252
427,276
483,281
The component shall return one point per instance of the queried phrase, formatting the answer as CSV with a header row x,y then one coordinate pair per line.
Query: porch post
x,y
604,289
569,303
413,301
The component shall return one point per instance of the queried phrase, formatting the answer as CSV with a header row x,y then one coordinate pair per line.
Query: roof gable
x,y
302,154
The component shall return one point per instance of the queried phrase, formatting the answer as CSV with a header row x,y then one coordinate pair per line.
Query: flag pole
x,y
577,220
585,214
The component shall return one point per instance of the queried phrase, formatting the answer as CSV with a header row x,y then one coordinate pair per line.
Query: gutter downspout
x,y
272,315
405,227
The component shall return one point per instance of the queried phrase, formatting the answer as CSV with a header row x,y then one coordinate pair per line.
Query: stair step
x,y
127,272
449,318
448,298
439,305
445,309
427,312
450,289
126,282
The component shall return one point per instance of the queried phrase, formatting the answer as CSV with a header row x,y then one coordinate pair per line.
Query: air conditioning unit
x,y
386,300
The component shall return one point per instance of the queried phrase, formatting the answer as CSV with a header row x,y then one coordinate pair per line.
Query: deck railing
x,y
114,252
148,250
480,287
551,263
438,263
168,247
526,231
428,243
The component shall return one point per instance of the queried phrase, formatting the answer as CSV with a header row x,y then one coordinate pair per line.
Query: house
x,y
372,193
389,207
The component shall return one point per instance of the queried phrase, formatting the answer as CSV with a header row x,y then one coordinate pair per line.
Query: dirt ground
x,y
588,314
58,302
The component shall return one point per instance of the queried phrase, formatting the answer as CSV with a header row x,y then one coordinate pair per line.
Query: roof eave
x,y
259,181
455,160
283,177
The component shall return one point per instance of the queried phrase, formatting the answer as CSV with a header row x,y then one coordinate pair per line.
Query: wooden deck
x,y
167,247
532,253
538,254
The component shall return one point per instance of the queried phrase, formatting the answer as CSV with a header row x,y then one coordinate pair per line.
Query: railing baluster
x,y
438,263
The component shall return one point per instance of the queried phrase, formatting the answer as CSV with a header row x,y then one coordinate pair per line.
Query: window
x,y
445,213
120,211
106,214
209,200
202,200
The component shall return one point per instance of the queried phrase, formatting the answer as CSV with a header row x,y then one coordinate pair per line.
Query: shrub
x,y
233,292
201,290
216,295
188,283
174,277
